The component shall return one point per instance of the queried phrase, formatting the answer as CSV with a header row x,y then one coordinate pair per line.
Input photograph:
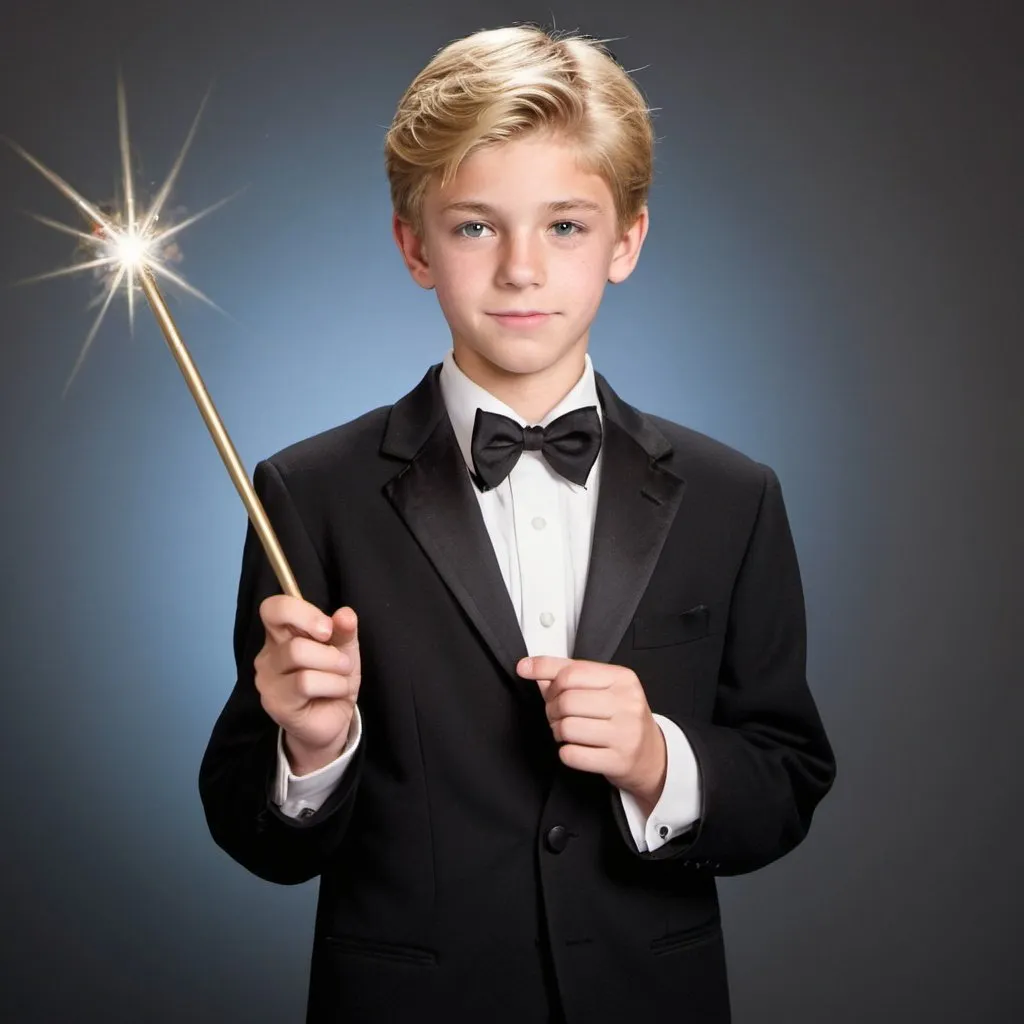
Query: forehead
x,y
525,174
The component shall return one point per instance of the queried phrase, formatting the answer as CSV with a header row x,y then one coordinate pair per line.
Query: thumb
x,y
346,628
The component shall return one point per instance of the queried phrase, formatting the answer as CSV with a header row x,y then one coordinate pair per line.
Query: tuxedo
x,y
464,869
541,526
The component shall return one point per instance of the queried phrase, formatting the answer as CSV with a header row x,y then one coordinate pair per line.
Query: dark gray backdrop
x,y
832,283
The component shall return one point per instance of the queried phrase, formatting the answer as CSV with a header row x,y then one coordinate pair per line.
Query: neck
x,y
531,394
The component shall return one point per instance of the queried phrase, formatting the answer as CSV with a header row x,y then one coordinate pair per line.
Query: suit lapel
x,y
635,507
434,495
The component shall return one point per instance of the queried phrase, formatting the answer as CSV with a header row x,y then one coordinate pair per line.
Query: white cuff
x,y
679,804
300,796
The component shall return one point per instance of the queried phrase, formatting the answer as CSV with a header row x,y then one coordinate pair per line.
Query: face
x,y
521,228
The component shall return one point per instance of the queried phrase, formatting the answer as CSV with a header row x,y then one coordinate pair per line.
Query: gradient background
x,y
832,283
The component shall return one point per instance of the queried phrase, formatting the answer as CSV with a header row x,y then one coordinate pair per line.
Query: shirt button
x,y
539,522
546,618
663,831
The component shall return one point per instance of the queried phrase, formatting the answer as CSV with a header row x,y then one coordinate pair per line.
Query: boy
x,y
547,678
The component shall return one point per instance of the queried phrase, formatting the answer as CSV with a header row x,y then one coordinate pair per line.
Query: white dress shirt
x,y
541,527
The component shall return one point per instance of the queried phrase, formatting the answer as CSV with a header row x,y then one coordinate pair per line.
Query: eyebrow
x,y
558,206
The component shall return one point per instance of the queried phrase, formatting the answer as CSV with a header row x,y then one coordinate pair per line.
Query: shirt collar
x,y
462,398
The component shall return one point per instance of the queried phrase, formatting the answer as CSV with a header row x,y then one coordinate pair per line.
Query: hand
x,y
599,714
308,674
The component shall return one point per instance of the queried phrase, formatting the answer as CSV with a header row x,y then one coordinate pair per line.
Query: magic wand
x,y
130,247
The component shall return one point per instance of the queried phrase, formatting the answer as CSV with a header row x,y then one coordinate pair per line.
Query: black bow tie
x,y
570,444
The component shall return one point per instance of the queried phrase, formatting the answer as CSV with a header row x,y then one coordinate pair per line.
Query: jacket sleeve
x,y
238,770
764,760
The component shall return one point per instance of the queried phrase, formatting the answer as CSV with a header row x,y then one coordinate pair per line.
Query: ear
x,y
413,251
627,249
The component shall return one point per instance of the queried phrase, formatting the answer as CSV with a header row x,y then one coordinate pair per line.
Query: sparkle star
x,y
125,244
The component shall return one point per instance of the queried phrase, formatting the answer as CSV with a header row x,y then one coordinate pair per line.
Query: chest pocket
x,y
663,629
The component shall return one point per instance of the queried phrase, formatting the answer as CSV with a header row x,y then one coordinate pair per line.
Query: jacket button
x,y
557,838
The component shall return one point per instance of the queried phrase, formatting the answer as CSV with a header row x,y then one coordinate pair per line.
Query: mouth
x,y
517,318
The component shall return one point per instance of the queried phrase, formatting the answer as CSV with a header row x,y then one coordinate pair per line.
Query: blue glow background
x,y
832,283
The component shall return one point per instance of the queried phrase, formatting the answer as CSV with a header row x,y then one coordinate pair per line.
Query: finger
x,y
308,684
585,675
543,666
345,628
285,616
595,704
588,732
302,653
600,760
284,695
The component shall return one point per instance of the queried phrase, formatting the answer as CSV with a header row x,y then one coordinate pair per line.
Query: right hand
x,y
308,674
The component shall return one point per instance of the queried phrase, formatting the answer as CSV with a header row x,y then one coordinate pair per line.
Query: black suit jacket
x,y
463,869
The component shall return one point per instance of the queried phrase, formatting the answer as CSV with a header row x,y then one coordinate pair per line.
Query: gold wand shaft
x,y
253,505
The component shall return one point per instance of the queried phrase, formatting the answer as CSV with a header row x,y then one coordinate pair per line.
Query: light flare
x,y
124,242
130,249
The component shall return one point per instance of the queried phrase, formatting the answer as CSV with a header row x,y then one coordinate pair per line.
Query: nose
x,y
522,260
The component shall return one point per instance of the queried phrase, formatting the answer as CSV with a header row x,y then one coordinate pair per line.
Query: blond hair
x,y
502,83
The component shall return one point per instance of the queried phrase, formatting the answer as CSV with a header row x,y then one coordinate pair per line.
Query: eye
x,y
470,224
579,228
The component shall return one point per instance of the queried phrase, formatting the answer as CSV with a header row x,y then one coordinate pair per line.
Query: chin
x,y
523,355
529,358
